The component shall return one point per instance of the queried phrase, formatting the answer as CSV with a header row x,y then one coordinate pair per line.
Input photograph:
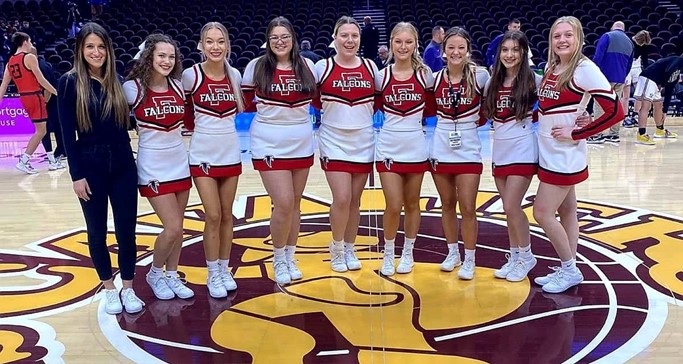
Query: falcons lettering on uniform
x,y
434,162
217,94
325,161
351,80
163,106
446,100
288,83
153,185
269,160
387,163
205,166
674,77
548,90
402,92
504,102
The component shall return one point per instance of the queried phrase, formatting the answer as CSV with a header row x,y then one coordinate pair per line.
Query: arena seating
x,y
130,21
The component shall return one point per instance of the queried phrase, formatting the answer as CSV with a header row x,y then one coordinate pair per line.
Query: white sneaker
x,y
281,271
352,262
26,168
503,272
215,285
542,281
294,272
452,260
159,287
563,280
466,272
521,269
178,287
228,281
406,263
387,264
112,305
337,260
53,166
131,302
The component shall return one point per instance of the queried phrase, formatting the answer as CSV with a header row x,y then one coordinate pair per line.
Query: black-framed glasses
x,y
284,38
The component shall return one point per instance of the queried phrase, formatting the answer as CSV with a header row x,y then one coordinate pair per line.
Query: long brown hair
x,y
524,84
264,69
566,76
112,91
234,83
143,68
469,71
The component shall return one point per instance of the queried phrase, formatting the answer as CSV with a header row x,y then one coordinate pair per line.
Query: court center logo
x,y
628,256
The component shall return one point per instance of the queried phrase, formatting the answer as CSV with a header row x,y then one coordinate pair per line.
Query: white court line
x,y
333,352
171,343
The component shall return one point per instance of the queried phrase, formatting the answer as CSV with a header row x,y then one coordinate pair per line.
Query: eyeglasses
x,y
284,38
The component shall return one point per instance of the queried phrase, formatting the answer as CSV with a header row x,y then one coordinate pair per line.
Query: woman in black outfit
x,y
92,104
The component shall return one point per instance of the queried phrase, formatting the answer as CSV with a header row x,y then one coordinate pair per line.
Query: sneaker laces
x,y
215,280
280,265
468,264
174,281
112,295
130,297
338,257
557,276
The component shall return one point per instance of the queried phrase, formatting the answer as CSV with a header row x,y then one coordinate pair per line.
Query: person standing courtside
x,y
369,39
614,57
433,55
92,104
23,69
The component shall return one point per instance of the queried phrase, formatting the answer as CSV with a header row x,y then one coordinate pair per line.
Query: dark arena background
x,y
627,309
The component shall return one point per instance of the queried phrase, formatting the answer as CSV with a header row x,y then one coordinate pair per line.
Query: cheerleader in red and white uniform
x,y
509,99
455,150
570,81
401,151
155,94
281,84
214,96
346,137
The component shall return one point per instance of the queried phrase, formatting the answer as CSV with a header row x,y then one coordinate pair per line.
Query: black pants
x,y
53,127
112,177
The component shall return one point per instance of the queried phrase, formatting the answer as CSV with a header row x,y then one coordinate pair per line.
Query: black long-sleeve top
x,y
665,73
104,130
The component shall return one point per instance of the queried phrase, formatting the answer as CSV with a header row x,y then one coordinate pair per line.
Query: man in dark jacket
x,y
369,39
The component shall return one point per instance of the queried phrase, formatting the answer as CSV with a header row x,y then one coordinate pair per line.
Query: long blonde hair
x,y
234,84
415,59
112,91
554,60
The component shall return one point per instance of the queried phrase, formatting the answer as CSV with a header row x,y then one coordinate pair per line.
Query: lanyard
x,y
454,98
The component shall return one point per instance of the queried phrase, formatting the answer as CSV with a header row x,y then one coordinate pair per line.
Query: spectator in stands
x,y
26,28
661,75
306,51
54,158
346,137
282,84
571,79
23,69
404,87
213,97
509,100
382,60
96,8
614,57
92,104
455,149
369,39
492,50
433,54
641,60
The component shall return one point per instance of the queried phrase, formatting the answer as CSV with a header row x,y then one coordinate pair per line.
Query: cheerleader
x,y
401,150
570,81
213,96
346,137
154,92
455,150
281,85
